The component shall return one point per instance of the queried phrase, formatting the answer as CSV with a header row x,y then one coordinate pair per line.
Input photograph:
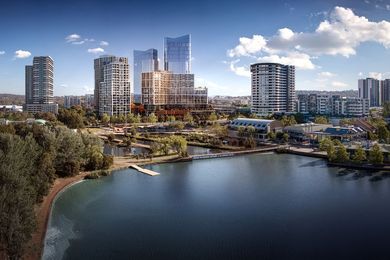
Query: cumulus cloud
x,y
326,74
73,38
375,75
2,52
239,70
96,50
88,89
339,84
104,43
340,34
20,54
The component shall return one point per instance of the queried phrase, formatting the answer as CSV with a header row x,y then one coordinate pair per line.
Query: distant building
x,y
39,86
334,105
177,54
70,101
273,88
144,61
385,91
89,101
370,89
166,90
112,85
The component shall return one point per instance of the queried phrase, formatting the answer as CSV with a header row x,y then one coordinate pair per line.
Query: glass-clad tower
x,y
144,61
177,54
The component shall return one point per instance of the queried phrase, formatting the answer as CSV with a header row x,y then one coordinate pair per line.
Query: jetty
x,y
146,171
234,153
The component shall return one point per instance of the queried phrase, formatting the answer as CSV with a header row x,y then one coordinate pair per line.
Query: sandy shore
x,y
35,247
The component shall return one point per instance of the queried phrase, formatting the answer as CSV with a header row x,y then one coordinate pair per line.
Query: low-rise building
x,y
238,128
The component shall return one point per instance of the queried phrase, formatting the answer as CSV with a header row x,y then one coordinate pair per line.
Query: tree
x,y
72,118
250,142
331,152
212,117
383,133
321,120
152,118
300,118
342,155
285,137
219,131
376,155
360,154
271,135
386,109
179,144
288,120
325,143
105,119
241,131
188,118
171,119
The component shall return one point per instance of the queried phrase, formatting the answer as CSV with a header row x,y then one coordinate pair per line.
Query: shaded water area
x,y
259,206
112,149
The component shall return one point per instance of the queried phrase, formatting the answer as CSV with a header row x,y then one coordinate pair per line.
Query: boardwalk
x,y
146,171
234,153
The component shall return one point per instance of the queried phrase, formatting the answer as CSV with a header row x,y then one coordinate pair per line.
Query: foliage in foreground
x,y
30,159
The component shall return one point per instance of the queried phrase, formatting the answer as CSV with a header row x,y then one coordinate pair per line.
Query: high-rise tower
x,y
177,54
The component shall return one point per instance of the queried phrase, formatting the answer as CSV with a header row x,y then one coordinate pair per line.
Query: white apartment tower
x,y
112,85
273,88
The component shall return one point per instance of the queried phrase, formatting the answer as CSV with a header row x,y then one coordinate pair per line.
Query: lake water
x,y
260,206
112,149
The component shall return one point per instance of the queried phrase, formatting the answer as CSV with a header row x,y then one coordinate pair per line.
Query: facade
x,y
335,105
370,89
177,54
89,101
385,91
70,101
99,64
114,95
166,90
144,61
262,128
273,88
39,86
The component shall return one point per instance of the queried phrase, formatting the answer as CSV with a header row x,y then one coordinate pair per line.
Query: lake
x,y
259,206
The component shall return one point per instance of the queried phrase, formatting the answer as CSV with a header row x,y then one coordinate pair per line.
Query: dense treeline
x,y
31,157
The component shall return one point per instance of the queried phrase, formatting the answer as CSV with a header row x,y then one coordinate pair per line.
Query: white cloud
x,y
339,84
300,60
104,43
78,42
248,46
20,54
388,7
360,74
375,75
326,74
73,38
2,52
96,50
239,70
340,34
64,85
88,89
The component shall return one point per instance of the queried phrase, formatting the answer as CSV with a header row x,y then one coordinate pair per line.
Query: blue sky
x,y
332,43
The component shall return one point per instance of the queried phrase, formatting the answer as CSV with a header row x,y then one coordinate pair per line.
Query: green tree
x,y
105,119
179,144
152,118
271,135
383,133
171,118
285,137
325,143
72,118
321,120
331,152
288,120
250,142
386,109
342,154
376,155
360,154
212,117
188,118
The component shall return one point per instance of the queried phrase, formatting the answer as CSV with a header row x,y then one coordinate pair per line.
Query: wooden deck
x,y
146,171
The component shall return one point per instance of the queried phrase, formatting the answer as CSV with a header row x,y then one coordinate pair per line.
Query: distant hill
x,y
11,99
344,93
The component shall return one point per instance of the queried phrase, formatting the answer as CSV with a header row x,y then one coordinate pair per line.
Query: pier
x,y
146,171
234,153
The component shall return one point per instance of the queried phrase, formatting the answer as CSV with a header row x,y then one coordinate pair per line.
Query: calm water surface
x,y
262,206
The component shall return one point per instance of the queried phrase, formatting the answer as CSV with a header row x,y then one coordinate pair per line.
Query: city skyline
x,y
224,42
